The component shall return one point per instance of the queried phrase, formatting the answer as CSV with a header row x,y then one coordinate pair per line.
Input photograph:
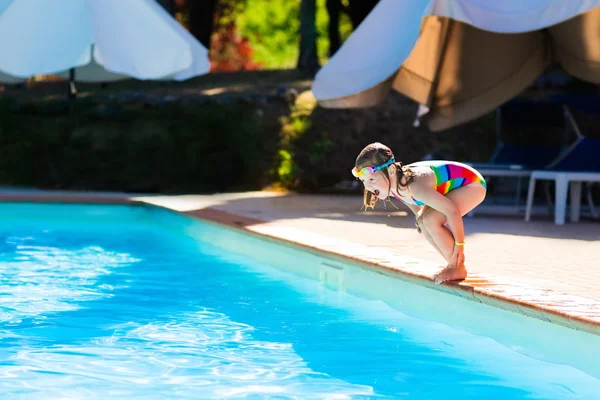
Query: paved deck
x,y
562,258
550,272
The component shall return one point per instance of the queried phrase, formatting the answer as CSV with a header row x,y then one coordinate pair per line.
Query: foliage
x,y
322,22
253,34
134,147
273,31
286,169
199,144
230,52
293,127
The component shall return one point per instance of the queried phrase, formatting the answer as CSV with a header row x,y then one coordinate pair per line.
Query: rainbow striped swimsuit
x,y
449,175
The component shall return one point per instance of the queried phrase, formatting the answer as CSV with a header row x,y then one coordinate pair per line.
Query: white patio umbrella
x,y
3,77
96,41
460,59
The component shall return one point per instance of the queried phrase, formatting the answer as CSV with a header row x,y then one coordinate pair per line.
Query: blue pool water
x,y
106,304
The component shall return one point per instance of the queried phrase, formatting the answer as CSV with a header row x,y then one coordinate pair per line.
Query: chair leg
x,y
591,201
562,185
519,189
575,192
530,192
549,199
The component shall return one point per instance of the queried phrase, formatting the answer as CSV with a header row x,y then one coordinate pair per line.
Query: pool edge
x,y
544,304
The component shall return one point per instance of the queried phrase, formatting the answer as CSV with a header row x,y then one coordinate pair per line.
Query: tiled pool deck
x,y
538,269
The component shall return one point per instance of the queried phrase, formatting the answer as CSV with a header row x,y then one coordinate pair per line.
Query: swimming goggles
x,y
370,170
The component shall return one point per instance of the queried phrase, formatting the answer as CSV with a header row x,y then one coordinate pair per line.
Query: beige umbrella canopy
x,y
467,60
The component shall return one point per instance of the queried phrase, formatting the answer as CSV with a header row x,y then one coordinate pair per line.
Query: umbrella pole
x,y
72,95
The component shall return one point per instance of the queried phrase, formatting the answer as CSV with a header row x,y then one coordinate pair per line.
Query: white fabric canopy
x,y
4,5
374,51
510,16
385,39
105,40
3,77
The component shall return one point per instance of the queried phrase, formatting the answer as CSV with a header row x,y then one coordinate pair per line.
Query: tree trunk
x,y
334,8
168,5
308,60
201,17
359,9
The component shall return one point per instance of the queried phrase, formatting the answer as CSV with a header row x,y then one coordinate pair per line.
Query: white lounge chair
x,y
579,163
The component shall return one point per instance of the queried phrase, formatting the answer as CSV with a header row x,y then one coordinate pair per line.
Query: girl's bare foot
x,y
450,273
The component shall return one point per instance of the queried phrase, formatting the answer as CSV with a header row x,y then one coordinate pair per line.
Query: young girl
x,y
439,193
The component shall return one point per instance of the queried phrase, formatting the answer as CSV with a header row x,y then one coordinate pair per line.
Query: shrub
x,y
134,147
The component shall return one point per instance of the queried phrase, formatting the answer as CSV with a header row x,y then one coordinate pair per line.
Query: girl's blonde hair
x,y
376,154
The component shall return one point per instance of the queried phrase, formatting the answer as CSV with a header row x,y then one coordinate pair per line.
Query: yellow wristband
x,y
459,243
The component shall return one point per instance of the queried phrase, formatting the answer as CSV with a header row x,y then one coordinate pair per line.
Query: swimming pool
x,y
139,302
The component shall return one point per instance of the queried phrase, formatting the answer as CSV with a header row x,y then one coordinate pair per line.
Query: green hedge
x,y
160,148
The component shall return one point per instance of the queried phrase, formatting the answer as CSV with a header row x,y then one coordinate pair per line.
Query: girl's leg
x,y
432,242
434,223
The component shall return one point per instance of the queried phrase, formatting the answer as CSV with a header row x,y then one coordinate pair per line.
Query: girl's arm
x,y
433,199
415,209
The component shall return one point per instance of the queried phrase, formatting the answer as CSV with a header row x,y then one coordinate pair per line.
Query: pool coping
x,y
572,311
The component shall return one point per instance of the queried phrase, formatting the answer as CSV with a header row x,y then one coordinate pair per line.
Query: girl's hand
x,y
458,257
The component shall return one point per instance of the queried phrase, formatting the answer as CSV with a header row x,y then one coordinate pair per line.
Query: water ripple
x,y
203,351
37,280
96,312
